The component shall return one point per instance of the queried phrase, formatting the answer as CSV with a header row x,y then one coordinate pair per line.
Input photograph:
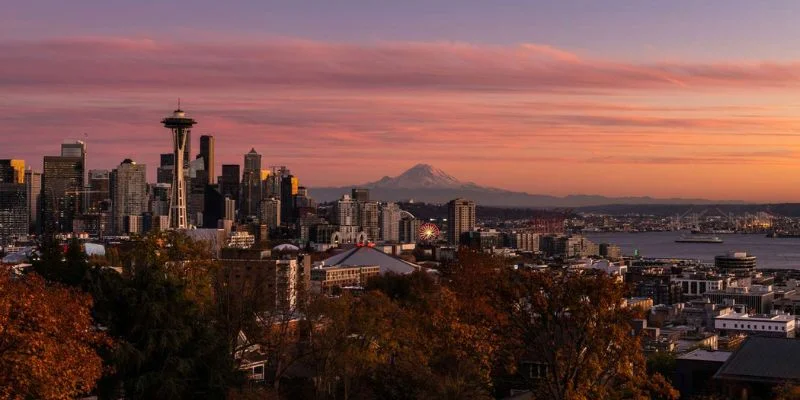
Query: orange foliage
x,y
47,341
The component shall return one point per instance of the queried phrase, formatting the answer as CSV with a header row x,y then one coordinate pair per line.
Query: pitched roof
x,y
763,359
370,256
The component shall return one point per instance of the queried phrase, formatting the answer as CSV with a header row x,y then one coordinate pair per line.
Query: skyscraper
x,y
289,185
62,184
98,209
346,211
180,125
251,185
164,172
230,181
207,152
12,171
369,219
390,222
360,194
33,195
13,211
129,182
271,212
461,218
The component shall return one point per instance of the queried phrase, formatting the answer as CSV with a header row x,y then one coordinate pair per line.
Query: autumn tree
x,y
47,340
575,327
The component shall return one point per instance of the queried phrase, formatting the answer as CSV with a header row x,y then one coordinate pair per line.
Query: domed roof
x,y
286,247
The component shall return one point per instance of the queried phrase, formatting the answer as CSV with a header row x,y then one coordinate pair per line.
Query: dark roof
x,y
364,255
763,359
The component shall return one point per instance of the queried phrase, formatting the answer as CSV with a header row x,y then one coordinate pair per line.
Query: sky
x,y
618,98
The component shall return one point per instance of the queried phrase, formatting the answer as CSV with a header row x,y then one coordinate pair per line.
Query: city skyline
x,y
639,110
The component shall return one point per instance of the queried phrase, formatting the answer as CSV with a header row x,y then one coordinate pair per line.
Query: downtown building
x,y
14,213
62,187
251,186
130,197
461,219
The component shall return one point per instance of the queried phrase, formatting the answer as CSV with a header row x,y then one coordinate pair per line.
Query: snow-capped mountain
x,y
426,183
418,176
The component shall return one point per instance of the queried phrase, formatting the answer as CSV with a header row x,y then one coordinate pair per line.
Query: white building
x,y
776,324
694,285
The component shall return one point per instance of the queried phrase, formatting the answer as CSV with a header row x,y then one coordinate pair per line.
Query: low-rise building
x,y
325,279
777,324
757,298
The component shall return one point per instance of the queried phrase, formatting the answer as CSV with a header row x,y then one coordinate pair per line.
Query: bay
x,y
770,252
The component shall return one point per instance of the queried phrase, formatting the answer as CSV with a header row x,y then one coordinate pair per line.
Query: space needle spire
x,y
180,125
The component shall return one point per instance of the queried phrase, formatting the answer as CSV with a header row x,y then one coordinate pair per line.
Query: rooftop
x,y
758,317
706,355
763,359
369,256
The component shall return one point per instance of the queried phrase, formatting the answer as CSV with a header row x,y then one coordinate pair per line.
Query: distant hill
x,y
425,183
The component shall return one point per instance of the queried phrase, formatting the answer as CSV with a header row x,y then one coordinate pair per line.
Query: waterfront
x,y
771,252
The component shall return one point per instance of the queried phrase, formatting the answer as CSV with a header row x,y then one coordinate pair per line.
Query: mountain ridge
x,y
426,183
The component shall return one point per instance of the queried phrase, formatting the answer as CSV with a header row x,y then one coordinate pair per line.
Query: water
x,y
771,252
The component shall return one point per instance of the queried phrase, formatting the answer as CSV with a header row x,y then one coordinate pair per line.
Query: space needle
x,y
180,125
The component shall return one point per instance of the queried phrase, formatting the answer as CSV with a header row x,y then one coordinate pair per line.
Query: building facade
x,y
129,182
461,219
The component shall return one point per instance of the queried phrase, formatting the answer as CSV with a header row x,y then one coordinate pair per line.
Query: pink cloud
x,y
124,63
545,119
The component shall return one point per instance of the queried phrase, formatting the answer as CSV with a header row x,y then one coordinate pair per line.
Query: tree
x,y
170,342
47,340
68,268
575,326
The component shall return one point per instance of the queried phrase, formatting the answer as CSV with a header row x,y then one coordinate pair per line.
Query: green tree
x,y
170,342
69,268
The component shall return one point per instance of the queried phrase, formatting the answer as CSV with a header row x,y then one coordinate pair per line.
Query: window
x,y
723,324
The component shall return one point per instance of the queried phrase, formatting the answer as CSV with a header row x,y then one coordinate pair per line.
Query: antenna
x,y
179,103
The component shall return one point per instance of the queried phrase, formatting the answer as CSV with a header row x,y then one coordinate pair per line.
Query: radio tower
x,y
180,125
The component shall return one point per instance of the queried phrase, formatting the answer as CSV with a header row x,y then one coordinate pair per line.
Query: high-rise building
x,y
251,185
230,181
99,196
180,125
195,202
164,172
33,195
346,212
252,161
12,171
461,218
13,200
187,152
98,214
369,217
62,184
289,185
409,228
73,149
207,152
360,195
390,222
13,211
129,185
230,209
271,212
214,208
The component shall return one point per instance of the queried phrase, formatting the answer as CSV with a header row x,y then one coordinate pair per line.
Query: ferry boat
x,y
698,239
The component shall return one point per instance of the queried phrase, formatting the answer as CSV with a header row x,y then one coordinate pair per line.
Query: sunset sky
x,y
619,98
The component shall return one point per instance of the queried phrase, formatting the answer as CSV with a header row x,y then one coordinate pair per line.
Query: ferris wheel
x,y
428,232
